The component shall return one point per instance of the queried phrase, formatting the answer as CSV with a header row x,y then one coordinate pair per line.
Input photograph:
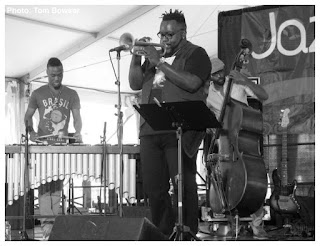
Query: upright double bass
x,y
238,179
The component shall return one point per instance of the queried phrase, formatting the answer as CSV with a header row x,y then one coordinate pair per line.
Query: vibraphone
x,y
50,163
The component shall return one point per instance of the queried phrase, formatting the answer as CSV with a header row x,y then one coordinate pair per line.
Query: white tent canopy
x,y
81,36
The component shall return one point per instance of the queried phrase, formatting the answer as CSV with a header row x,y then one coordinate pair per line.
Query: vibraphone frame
x,y
73,153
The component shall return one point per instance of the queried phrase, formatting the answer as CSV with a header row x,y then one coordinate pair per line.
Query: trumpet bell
x,y
137,47
126,39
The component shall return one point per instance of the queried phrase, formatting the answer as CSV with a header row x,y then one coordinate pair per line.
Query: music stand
x,y
179,116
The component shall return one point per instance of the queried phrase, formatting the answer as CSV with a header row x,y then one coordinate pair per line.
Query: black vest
x,y
191,140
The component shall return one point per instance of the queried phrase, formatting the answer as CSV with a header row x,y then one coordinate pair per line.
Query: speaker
x,y
107,228
137,212
17,209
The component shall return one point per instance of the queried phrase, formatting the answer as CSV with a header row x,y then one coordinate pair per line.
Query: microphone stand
x,y
104,167
23,233
120,135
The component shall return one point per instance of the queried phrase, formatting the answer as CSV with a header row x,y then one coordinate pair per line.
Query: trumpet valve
x,y
138,50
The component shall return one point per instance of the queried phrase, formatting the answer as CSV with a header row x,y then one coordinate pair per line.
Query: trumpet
x,y
137,47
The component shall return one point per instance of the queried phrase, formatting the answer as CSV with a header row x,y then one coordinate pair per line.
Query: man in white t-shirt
x,y
241,88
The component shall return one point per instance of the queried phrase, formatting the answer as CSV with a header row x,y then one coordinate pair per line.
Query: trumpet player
x,y
178,75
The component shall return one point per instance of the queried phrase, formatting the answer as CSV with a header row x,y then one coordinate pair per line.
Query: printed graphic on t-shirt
x,y
159,77
54,117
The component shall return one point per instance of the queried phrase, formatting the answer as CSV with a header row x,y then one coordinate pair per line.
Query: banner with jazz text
x,y
283,57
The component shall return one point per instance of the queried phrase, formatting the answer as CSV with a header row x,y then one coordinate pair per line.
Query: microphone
x,y
27,126
104,128
120,48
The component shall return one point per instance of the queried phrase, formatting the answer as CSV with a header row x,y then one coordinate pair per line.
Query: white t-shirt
x,y
215,97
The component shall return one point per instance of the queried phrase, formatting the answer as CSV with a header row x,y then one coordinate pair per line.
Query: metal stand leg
x,y
63,200
71,199
26,199
180,229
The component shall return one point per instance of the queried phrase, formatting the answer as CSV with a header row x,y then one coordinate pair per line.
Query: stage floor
x,y
274,234
205,234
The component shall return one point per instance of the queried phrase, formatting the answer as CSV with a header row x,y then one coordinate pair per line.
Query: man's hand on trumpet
x,y
136,50
152,55
145,39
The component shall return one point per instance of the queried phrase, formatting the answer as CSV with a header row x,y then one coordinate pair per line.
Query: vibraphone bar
x,y
50,163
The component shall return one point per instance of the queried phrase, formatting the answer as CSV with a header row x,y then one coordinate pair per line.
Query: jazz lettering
x,y
277,42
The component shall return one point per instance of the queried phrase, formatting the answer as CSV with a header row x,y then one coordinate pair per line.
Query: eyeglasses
x,y
167,35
